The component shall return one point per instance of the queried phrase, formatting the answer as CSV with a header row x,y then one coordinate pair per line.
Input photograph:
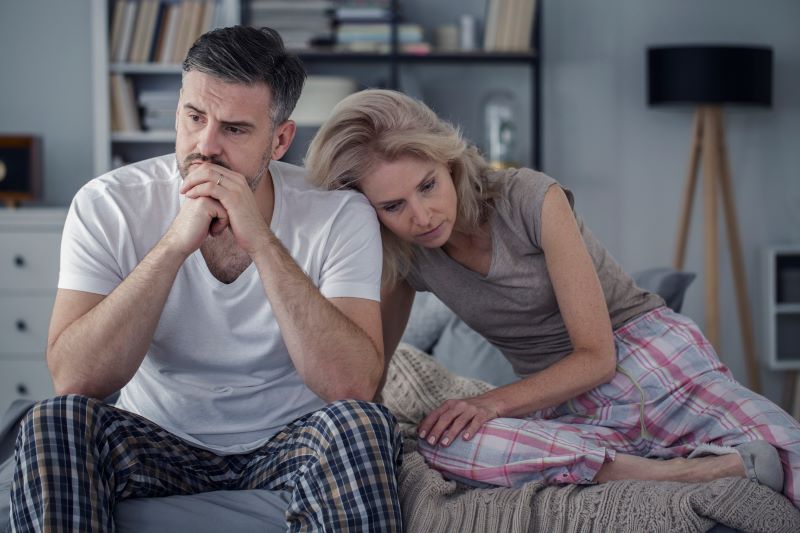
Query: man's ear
x,y
282,138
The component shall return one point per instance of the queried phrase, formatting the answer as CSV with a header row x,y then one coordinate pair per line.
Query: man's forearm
x,y
100,352
335,357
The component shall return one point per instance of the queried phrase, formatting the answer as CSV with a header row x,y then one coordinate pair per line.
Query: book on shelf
x,y
117,17
159,31
169,31
124,112
509,24
124,36
378,32
359,13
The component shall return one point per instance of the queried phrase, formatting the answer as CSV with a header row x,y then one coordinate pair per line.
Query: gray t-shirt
x,y
515,306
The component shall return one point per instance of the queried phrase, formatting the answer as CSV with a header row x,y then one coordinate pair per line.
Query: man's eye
x,y
194,118
235,130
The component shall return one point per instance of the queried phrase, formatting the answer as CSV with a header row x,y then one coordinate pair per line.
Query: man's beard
x,y
252,181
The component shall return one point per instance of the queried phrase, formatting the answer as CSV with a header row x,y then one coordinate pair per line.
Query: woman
x,y
610,377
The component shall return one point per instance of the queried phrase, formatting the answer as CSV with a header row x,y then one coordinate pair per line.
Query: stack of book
x,y
301,23
158,109
508,25
158,31
376,37
363,11
365,26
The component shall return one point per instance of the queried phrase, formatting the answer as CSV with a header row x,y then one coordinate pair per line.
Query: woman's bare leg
x,y
679,469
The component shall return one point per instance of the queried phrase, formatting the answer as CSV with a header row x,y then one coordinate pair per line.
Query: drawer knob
x,y
22,325
22,389
19,261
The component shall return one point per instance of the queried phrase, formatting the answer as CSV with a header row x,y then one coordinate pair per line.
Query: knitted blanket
x,y
416,384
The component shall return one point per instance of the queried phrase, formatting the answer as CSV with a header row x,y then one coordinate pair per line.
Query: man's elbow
x,y
64,385
364,391
364,388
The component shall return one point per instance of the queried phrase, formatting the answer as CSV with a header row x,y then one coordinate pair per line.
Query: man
x,y
229,302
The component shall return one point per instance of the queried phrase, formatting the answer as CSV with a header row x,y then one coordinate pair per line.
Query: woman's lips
x,y
432,234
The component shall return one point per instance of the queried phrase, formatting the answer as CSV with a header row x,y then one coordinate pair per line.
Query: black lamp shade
x,y
709,75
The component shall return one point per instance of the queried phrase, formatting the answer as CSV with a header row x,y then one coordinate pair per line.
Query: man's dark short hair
x,y
243,54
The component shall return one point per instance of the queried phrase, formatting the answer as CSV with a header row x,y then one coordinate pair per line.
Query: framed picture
x,y
20,166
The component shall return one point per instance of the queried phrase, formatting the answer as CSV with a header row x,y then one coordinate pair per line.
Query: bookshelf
x,y
145,70
455,83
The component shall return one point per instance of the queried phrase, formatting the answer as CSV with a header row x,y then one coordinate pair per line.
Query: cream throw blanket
x,y
416,384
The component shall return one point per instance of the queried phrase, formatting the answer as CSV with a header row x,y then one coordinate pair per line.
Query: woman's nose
x,y
420,214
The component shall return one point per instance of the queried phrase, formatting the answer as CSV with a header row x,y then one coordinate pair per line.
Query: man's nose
x,y
208,143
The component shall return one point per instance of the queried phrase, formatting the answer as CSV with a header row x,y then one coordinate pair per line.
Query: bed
x,y
431,503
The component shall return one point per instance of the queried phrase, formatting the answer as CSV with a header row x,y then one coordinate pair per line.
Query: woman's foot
x,y
678,469
760,461
757,461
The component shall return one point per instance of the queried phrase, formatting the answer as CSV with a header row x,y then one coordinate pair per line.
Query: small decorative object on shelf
x,y
19,169
499,115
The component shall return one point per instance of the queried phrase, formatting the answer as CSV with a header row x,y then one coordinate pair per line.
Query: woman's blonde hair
x,y
380,126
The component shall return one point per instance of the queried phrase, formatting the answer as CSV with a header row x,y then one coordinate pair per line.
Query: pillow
x,y
426,322
667,282
434,329
464,351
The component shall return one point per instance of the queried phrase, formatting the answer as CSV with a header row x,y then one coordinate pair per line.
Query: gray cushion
x,y
667,282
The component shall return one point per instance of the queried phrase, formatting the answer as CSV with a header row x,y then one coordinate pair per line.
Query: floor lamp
x,y
708,77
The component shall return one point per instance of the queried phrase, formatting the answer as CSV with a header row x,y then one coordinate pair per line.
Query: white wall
x,y
626,162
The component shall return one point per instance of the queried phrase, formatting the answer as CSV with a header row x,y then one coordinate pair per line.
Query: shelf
x,y
432,57
143,136
145,68
787,309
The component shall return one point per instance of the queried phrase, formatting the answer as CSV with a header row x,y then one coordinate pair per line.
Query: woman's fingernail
x,y
432,440
422,434
445,441
466,436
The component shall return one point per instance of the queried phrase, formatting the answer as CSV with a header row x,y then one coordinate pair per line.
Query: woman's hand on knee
x,y
456,418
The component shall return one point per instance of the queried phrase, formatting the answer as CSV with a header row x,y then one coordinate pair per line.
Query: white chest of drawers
x,y
29,257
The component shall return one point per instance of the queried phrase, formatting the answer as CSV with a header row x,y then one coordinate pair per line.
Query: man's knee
x,y
54,414
361,420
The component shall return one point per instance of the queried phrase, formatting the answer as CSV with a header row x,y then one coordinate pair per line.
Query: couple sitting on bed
x,y
237,309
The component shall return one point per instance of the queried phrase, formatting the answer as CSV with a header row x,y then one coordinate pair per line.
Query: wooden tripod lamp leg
x,y
735,245
711,171
688,190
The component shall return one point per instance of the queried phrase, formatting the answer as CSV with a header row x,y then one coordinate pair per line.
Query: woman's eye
x,y
391,208
428,185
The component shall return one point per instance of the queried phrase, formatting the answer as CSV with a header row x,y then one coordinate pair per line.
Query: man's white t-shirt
x,y
218,373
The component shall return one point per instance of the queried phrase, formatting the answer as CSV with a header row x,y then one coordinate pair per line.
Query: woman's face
x,y
414,199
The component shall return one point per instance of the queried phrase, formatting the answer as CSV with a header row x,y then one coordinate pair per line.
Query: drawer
x,y
28,379
29,259
24,321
